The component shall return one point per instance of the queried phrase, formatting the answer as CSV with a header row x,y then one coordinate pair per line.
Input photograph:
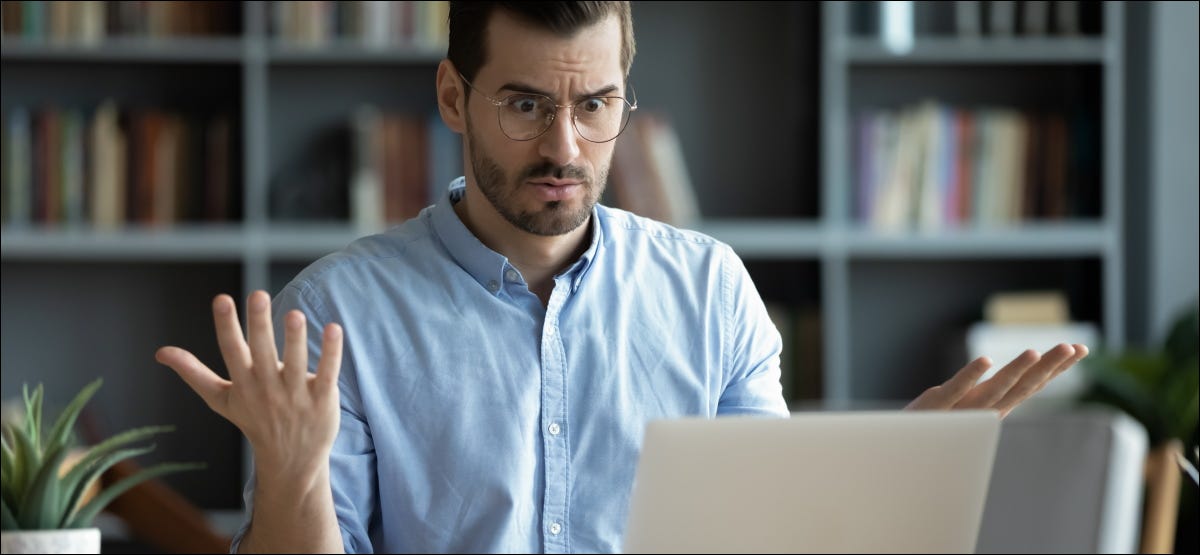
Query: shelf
x,y
804,238
942,50
341,53
308,241
769,238
127,49
1030,240
186,243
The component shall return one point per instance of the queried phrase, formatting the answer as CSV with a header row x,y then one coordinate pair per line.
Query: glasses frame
x,y
498,103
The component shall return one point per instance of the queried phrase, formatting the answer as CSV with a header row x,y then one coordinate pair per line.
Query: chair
x,y
1070,482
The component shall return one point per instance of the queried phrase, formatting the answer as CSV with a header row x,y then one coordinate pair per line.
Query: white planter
x,y
79,540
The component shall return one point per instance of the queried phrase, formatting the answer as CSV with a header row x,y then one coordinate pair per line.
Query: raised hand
x,y
289,416
1025,375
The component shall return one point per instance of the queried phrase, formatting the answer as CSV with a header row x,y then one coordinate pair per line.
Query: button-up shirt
x,y
476,419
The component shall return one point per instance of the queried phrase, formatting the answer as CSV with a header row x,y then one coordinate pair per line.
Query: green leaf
x,y
103,448
75,481
40,508
7,465
1183,340
7,520
33,418
66,421
27,462
83,518
83,474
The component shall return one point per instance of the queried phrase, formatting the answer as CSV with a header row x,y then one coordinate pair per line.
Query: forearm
x,y
293,516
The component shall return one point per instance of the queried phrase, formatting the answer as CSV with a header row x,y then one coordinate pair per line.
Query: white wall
x,y
1174,226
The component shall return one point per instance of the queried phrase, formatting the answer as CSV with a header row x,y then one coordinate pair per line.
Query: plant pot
x,y
77,540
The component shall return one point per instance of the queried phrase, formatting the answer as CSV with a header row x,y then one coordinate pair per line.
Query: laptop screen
x,y
881,481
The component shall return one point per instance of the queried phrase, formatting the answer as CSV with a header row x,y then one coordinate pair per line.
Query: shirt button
x,y
553,428
555,528
511,275
493,286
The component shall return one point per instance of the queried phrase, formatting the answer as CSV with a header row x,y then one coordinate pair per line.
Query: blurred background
x,y
910,183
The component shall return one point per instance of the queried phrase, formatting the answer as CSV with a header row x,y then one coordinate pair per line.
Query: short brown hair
x,y
468,26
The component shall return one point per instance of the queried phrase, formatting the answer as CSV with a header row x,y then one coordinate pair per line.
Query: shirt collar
x,y
484,264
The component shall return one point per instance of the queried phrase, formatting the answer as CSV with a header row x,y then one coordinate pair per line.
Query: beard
x,y
553,217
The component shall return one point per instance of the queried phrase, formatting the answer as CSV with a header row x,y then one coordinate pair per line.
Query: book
x,y
968,18
1035,17
18,168
366,186
1066,17
107,175
1002,18
649,174
781,316
1027,307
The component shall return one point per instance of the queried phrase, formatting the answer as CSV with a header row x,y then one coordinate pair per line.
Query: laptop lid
x,y
880,481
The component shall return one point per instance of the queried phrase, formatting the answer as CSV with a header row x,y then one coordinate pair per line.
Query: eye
x,y
525,104
594,105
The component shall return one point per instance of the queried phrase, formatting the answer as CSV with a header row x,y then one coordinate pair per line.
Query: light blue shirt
x,y
476,420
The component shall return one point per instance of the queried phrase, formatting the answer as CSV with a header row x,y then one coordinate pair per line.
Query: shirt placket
x,y
554,426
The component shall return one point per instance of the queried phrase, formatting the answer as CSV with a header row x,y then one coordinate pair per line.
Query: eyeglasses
x,y
525,116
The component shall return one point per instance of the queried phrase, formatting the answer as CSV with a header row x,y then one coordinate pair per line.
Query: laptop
x,y
877,481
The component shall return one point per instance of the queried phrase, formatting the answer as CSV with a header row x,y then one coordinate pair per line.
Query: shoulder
x,y
645,243
623,227
368,259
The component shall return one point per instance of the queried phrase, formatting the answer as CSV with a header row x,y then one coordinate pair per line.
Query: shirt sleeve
x,y
352,459
752,346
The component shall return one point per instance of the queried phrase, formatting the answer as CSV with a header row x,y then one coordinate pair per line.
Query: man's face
x,y
547,185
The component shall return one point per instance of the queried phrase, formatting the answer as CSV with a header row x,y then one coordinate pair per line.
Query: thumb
x,y
213,389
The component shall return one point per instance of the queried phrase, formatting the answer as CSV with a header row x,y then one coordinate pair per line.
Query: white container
x,y
75,540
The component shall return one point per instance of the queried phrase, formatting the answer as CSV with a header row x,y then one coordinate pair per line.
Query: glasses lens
x,y
525,116
601,118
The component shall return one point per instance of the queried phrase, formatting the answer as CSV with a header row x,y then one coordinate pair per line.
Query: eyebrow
x,y
523,88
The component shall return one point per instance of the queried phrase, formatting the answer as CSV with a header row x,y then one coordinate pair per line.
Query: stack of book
x,y
934,166
649,175
92,21
800,363
401,163
1018,320
110,168
372,24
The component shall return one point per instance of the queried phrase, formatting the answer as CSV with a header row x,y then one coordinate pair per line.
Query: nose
x,y
560,143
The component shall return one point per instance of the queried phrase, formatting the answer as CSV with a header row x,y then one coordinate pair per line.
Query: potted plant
x,y
47,507
1160,387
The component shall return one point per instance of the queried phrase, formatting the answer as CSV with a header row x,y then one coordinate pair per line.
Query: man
x,y
504,350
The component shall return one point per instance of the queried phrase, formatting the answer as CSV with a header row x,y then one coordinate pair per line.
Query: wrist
x,y
274,475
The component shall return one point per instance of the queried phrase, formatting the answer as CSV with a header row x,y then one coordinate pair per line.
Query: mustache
x,y
547,169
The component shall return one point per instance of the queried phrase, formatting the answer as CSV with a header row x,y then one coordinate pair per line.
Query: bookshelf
x,y
894,300
768,139
114,295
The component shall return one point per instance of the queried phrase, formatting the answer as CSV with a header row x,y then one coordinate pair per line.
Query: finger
x,y
1036,377
330,364
1081,352
262,335
206,383
956,387
986,394
295,347
229,337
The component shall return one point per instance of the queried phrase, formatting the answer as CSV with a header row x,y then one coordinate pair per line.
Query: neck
x,y
538,257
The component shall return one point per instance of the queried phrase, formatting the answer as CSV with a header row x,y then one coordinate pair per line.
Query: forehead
x,y
520,50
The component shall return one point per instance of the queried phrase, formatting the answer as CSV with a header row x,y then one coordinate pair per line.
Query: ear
x,y
451,99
